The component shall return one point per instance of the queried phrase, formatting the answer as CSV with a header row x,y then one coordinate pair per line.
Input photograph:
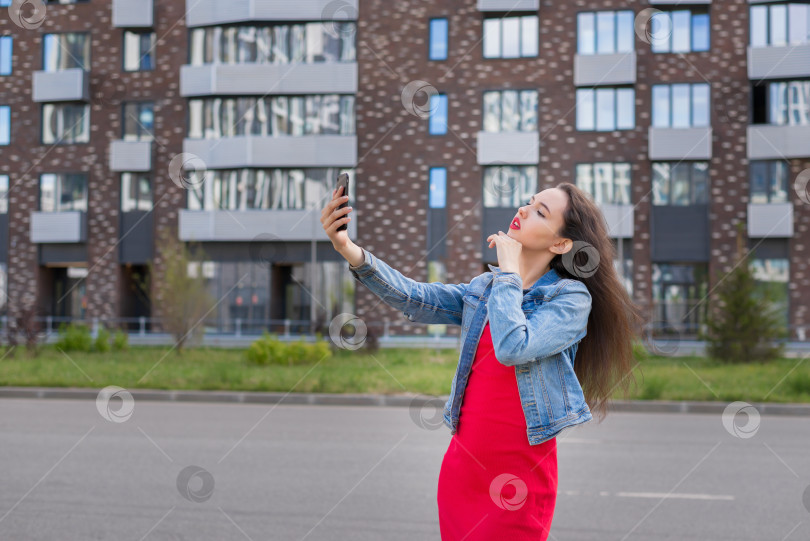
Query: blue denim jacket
x,y
536,330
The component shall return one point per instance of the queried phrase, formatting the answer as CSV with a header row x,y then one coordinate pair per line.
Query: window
x,y
771,283
5,3
680,105
65,123
139,118
213,118
509,186
62,192
436,272
6,48
782,103
606,183
65,1
139,51
327,41
438,188
680,31
3,194
437,124
769,182
245,189
780,24
510,110
5,124
679,291
605,32
438,39
605,109
136,192
680,183
65,51
510,37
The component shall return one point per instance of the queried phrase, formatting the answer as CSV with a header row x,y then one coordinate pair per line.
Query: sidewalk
x,y
401,400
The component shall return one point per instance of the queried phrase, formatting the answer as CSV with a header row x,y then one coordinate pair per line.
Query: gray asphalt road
x,y
368,473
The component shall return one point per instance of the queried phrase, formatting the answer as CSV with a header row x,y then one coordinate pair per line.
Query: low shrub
x,y
269,350
74,337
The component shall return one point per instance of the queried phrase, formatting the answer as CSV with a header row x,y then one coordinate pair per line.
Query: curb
x,y
404,400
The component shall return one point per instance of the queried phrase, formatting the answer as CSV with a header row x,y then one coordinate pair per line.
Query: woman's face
x,y
539,220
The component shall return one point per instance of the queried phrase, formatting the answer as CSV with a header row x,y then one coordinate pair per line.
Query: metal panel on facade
x,y
268,79
214,12
513,148
508,5
68,226
130,155
268,151
770,219
132,13
436,234
494,220
619,220
4,237
247,225
137,237
680,143
679,233
605,69
766,142
72,84
779,62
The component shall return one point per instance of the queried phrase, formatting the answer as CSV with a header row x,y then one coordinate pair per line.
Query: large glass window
x,y
136,192
681,105
510,110
244,189
328,41
60,192
605,109
509,185
6,50
771,279
679,292
680,31
65,123
139,51
438,39
438,187
680,183
605,182
511,37
780,24
139,121
5,124
788,102
605,32
437,124
330,114
769,181
64,51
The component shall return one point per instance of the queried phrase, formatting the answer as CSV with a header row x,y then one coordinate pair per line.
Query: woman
x,y
554,298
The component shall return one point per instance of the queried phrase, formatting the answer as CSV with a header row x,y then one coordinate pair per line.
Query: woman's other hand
x,y
332,218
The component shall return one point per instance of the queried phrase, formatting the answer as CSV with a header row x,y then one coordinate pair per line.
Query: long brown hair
x,y
604,359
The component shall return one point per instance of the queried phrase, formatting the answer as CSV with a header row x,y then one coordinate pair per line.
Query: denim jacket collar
x,y
548,278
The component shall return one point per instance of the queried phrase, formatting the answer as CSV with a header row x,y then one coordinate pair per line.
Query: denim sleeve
x,y
421,302
552,327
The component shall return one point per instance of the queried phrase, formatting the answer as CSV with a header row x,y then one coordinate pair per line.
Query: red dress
x,y
493,484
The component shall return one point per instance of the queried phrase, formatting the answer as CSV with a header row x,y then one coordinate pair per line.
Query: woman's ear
x,y
562,246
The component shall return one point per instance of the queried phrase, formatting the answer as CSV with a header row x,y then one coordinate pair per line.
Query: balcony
x,y
132,13
72,84
514,148
215,12
246,225
619,220
775,142
58,227
268,79
779,62
680,143
131,155
508,5
769,220
604,69
264,151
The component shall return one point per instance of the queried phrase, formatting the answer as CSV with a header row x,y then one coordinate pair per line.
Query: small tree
x,y
182,296
742,325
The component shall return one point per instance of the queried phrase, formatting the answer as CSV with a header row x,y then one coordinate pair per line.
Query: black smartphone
x,y
343,180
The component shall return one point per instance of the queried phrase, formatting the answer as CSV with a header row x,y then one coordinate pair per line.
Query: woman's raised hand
x,y
332,218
